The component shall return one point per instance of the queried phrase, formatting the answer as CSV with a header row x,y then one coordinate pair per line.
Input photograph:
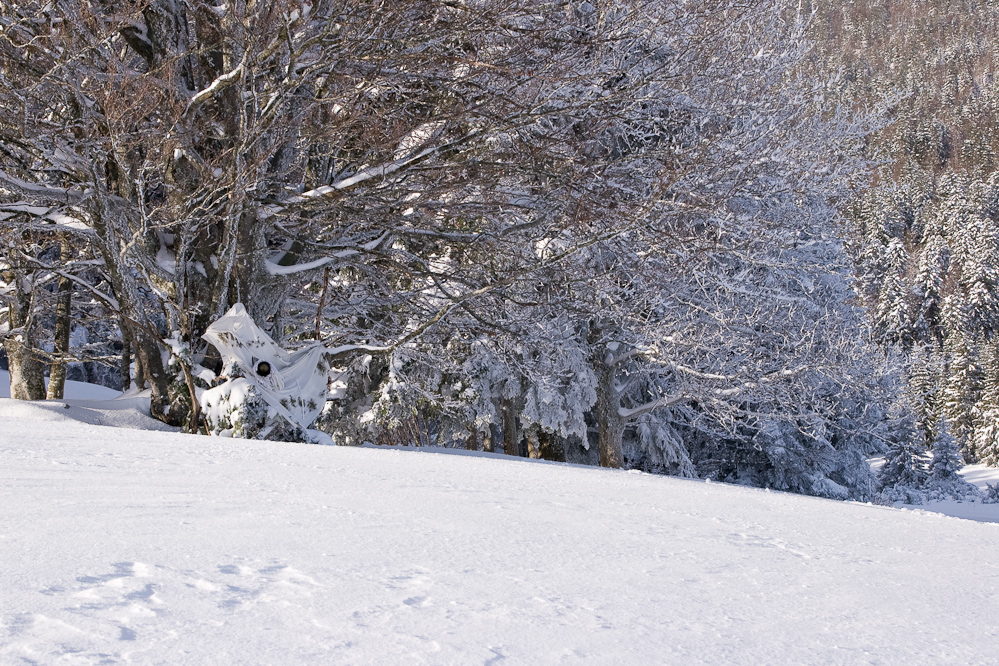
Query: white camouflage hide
x,y
296,385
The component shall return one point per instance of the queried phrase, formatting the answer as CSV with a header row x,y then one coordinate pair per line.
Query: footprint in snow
x,y
110,616
247,586
99,613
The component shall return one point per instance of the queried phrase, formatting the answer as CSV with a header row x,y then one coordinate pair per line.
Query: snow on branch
x,y
59,194
276,269
703,375
343,349
367,173
50,214
650,406
105,298
216,85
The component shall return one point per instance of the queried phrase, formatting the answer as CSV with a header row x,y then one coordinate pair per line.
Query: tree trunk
x,y
147,349
610,433
552,446
533,444
145,338
27,378
610,425
511,436
487,440
63,324
140,372
125,367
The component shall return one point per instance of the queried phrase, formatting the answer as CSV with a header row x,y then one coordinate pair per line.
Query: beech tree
x,y
216,153
508,220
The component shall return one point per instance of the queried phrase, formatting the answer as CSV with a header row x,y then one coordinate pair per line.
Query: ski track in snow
x,y
128,547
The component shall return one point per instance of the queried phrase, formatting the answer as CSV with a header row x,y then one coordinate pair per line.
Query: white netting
x,y
292,383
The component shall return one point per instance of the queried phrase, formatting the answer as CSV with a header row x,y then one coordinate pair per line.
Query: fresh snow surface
x,y
127,547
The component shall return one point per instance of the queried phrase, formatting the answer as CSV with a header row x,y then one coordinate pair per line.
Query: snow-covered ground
x,y
132,547
73,390
978,475
84,403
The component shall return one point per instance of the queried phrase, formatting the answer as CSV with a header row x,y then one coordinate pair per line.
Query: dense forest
x,y
755,242
924,233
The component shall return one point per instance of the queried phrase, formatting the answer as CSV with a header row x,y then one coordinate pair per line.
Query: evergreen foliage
x,y
946,458
905,468
944,481
926,234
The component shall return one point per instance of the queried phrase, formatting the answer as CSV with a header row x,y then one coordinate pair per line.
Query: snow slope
x,y
127,547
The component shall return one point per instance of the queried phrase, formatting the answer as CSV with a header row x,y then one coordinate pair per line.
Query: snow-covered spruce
x,y
943,481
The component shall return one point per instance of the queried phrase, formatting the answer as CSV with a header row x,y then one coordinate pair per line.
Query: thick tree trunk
x,y
63,324
27,378
125,366
110,224
145,345
487,440
147,349
610,435
610,425
552,446
511,434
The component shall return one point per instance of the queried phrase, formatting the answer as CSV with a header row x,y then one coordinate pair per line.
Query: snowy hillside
x,y
123,546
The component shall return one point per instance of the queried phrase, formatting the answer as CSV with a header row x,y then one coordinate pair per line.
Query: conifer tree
x,y
892,316
985,441
944,482
960,394
946,457
904,465
936,196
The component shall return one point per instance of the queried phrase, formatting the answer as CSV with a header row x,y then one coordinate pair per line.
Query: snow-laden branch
x,y
56,194
276,269
650,406
367,173
107,299
703,375
220,82
58,221
343,349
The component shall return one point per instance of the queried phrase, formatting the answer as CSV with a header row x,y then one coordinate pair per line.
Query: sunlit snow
x,y
124,546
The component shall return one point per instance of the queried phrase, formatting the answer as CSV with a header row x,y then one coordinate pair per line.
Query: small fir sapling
x,y
944,481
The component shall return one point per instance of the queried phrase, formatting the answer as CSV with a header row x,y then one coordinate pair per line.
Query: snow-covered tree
x,y
905,467
508,221
985,438
946,457
934,195
943,480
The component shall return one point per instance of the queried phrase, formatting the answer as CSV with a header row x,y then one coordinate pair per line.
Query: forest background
x,y
751,242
